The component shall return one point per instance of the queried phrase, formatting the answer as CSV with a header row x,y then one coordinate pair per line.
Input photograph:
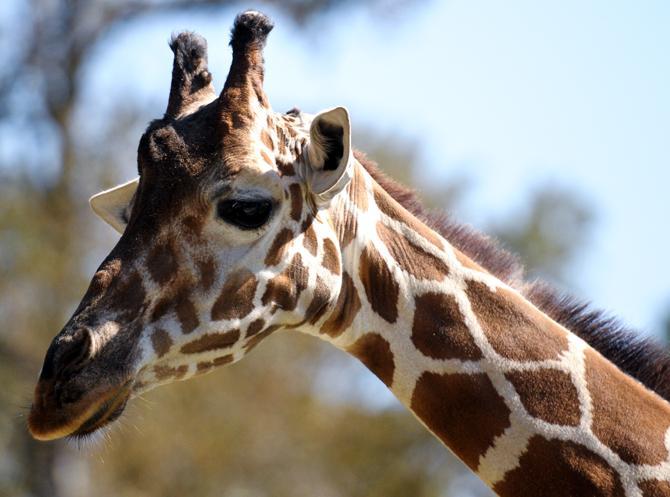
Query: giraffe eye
x,y
245,214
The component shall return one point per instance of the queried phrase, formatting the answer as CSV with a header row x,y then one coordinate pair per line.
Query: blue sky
x,y
512,94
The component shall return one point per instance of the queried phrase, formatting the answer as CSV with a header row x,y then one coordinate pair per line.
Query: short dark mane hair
x,y
638,356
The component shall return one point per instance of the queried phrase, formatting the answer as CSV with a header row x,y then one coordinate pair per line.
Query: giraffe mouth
x,y
46,422
107,412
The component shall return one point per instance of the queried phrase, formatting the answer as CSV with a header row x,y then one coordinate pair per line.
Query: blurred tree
x,y
549,231
401,159
665,326
256,428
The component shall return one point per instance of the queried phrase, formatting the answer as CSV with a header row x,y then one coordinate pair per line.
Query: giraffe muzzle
x,y
71,398
49,420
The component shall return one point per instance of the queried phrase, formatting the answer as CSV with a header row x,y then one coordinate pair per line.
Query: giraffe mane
x,y
638,356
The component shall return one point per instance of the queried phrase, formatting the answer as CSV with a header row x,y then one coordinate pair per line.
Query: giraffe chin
x,y
105,407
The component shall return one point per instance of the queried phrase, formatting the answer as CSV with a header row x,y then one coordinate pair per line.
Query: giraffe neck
x,y
527,405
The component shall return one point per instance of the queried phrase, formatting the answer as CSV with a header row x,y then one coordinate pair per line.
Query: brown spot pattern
x,y
381,287
284,289
464,411
220,361
267,139
555,468
396,211
260,94
211,341
266,157
103,278
548,394
285,168
290,129
309,238
178,300
186,314
129,296
375,352
278,247
514,328
162,263
655,488
438,330
161,341
282,140
357,192
255,327
296,201
319,304
166,372
207,269
193,226
257,338
331,259
204,366
636,433
346,226
410,257
346,307
237,296
161,308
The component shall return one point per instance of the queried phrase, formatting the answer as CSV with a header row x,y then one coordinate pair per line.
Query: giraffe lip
x,y
50,421
107,412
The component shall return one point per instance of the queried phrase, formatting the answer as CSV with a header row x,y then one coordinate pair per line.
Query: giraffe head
x,y
225,238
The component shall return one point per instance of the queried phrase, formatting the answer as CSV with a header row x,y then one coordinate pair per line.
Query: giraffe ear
x,y
329,154
113,205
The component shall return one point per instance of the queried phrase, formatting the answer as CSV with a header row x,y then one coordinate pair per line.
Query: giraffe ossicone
x,y
244,221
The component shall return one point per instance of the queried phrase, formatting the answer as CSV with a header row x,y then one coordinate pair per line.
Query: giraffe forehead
x,y
204,140
181,147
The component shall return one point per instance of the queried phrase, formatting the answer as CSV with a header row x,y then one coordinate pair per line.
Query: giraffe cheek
x,y
162,263
284,290
161,342
236,298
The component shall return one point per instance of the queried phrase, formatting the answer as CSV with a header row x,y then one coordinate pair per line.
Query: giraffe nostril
x,y
75,352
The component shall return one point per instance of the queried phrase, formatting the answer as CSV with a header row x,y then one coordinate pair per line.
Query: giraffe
x,y
244,221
